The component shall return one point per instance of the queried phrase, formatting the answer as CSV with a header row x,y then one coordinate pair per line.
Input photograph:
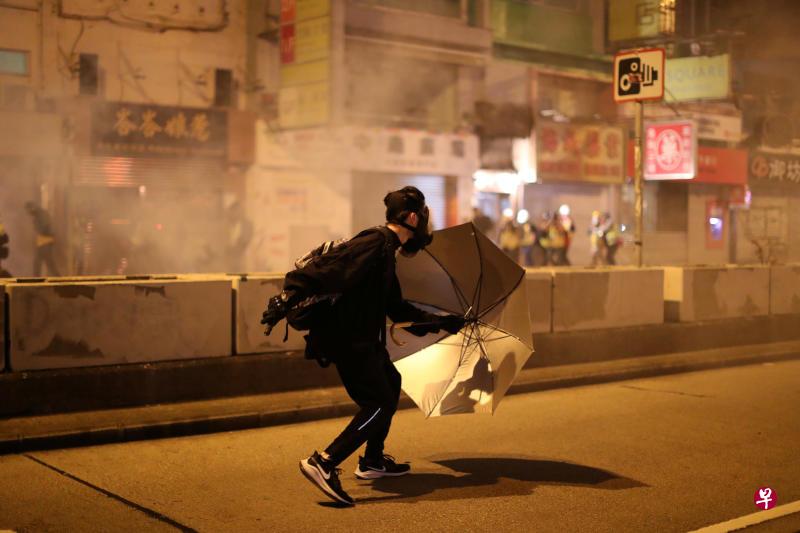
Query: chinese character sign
x,y
765,166
570,152
157,131
670,150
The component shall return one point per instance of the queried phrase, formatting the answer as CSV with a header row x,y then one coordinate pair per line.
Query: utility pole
x,y
637,182
639,76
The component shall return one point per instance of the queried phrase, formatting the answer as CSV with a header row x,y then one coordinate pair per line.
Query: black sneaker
x,y
326,477
383,467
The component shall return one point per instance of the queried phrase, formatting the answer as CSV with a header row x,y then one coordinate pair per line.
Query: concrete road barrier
x,y
252,293
540,300
64,325
715,292
784,289
607,298
3,323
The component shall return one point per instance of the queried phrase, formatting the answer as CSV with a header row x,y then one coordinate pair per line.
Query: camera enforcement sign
x,y
639,75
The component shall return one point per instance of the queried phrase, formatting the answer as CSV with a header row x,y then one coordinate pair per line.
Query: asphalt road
x,y
673,453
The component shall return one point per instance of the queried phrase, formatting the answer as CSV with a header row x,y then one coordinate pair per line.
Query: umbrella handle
x,y
398,325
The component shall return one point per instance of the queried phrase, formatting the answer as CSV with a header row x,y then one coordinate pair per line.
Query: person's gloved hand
x,y
277,308
452,324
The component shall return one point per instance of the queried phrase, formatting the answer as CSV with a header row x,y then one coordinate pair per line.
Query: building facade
x,y
124,122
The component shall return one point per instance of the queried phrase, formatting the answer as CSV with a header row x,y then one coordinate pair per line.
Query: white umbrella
x,y
464,273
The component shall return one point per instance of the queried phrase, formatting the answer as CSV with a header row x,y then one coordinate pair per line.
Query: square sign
x,y
639,75
670,150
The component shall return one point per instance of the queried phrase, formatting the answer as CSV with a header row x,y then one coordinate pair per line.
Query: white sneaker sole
x,y
376,474
314,476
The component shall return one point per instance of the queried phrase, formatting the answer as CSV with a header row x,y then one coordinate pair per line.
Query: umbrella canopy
x,y
462,272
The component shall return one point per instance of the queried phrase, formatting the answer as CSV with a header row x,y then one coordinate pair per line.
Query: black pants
x,y
373,383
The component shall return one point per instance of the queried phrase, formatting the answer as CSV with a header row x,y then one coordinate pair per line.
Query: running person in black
x,y
353,333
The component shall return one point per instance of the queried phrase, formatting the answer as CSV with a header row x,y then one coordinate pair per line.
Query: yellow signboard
x,y
632,19
307,9
697,78
305,105
312,40
305,73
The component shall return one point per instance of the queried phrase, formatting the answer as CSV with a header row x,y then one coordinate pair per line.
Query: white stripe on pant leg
x,y
370,419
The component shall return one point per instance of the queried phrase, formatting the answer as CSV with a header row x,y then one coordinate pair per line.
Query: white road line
x,y
751,519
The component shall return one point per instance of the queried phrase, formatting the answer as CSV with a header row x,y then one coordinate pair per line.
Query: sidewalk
x,y
246,412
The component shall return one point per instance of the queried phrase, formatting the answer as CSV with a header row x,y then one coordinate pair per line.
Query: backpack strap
x,y
387,252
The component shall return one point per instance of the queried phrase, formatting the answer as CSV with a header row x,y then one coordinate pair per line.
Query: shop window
x,y
564,97
426,146
14,62
666,17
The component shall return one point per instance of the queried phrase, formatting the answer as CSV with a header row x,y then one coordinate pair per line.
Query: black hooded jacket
x,y
363,273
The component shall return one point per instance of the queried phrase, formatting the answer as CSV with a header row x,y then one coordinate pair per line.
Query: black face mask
x,y
422,235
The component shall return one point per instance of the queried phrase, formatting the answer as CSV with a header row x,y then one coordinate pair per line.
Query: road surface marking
x,y
752,519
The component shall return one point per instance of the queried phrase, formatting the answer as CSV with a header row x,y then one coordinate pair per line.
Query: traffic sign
x,y
639,75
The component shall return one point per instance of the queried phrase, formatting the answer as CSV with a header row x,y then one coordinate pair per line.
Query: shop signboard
x,y
778,168
670,150
710,126
146,130
714,165
721,165
697,78
570,152
400,150
413,151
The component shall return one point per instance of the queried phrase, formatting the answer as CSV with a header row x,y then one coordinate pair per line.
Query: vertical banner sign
x,y
670,151
287,44
305,45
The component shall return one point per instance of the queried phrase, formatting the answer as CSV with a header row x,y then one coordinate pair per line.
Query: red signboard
x,y
287,44
714,165
670,150
721,165
570,152
288,11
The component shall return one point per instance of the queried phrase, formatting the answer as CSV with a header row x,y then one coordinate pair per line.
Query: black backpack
x,y
308,312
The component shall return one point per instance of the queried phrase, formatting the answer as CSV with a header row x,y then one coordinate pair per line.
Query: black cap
x,y
409,199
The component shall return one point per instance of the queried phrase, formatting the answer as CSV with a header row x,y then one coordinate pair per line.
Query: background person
x,y
510,239
4,240
45,240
